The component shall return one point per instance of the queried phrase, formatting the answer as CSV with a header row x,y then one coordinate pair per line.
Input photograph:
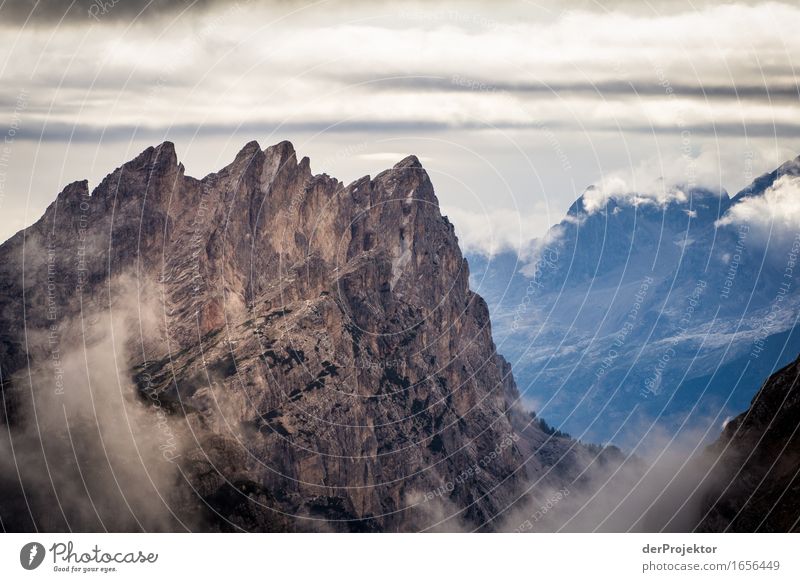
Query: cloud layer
x,y
552,92
467,68
775,213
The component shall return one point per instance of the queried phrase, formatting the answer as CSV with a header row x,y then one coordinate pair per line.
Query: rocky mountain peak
x,y
317,343
71,194
411,161
154,171
155,159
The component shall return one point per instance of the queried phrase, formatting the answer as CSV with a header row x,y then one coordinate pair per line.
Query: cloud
x,y
91,454
542,254
657,181
775,213
53,12
659,486
504,79
417,124
608,88
514,72
496,230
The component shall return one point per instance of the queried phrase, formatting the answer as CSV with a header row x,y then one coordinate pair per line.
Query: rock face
x,y
302,355
756,475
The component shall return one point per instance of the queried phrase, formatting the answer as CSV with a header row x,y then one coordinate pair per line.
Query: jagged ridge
x,y
317,344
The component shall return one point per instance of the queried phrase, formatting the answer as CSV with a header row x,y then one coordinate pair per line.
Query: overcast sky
x,y
513,107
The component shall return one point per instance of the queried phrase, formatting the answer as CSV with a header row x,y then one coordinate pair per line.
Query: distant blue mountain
x,y
637,319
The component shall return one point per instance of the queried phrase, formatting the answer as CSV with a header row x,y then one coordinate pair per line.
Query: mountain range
x,y
640,315
269,349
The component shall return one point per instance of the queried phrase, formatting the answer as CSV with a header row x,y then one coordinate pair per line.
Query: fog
x,y
89,452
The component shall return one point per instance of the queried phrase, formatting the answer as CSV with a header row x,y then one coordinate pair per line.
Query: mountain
x,y
263,349
636,318
757,459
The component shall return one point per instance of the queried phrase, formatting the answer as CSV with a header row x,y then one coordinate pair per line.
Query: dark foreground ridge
x,y
757,470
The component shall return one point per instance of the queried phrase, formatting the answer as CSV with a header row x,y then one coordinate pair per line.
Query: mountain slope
x,y
757,469
638,317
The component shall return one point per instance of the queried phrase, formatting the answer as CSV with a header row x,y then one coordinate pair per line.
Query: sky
x,y
514,108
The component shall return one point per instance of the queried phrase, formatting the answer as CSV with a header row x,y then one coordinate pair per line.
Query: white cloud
x,y
494,230
542,254
657,181
776,212
258,65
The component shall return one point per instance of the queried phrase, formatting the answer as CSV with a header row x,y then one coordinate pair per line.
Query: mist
x,y
664,488
85,450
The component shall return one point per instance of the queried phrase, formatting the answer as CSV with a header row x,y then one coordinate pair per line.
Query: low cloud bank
x,y
86,451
